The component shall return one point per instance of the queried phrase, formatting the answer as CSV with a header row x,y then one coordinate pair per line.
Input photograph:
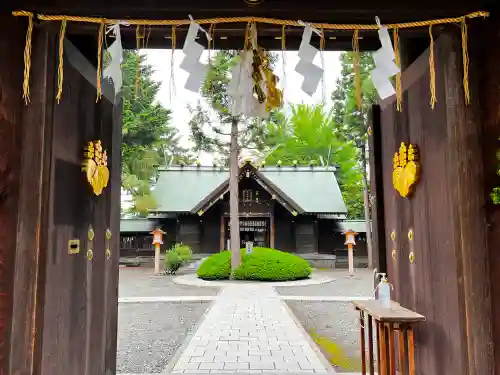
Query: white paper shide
x,y
113,71
242,100
191,62
385,66
312,73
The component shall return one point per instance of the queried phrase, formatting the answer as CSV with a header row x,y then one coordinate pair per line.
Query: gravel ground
x,y
343,285
334,327
141,282
149,334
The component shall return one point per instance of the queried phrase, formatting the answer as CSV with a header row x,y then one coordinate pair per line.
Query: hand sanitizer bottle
x,y
384,291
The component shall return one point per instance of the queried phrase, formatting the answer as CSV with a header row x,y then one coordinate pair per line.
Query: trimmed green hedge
x,y
215,267
262,264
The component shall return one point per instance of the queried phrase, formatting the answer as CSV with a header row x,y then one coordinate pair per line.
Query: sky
x,y
178,101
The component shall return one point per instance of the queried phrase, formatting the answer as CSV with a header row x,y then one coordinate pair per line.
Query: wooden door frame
x,y
464,170
27,325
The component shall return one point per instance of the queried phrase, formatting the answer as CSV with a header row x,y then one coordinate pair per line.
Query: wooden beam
x,y
222,233
10,161
466,175
33,221
377,190
272,228
488,53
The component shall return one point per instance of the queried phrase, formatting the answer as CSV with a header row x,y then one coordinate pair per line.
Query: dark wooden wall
x,y
189,232
284,231
487,51
169,226
210,230
11,128
447,281
306,234
64,308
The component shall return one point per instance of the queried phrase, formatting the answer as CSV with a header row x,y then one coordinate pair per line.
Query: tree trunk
x,y
366,204
233,197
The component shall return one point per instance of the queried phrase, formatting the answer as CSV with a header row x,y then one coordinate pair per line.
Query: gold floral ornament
x,y
95,166
406,171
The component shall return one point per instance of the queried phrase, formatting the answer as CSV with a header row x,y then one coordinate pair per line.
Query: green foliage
x,y
172,262
311,135
495,194
265,264
176,257
262,264
184,251
216,267
353,122
148,137
210,134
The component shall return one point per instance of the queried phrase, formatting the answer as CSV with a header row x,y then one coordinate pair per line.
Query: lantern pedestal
x,y
350,257
157,242
157,258
350,241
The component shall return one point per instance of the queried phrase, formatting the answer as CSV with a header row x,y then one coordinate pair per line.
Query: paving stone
x,y
212,366
249,330
186,366
237,366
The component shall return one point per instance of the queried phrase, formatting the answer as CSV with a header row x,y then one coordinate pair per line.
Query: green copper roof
x,y
315,190
181,189
136,225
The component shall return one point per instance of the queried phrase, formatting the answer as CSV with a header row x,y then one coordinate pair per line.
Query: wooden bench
x,y
388,321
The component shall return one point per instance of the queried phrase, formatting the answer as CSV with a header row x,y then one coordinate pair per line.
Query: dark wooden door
x,y
74,298
443,215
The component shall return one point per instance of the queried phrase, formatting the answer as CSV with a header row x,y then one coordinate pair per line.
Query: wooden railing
x,y
394,331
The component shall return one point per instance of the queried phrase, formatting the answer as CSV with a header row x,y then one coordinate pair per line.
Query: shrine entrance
x,y
60,243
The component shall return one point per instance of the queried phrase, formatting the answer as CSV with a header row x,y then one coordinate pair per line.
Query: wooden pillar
x,y
485,55
222,233
466,175
11,127
271,228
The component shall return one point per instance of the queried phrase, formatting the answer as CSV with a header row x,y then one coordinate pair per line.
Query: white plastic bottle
x,y
384,291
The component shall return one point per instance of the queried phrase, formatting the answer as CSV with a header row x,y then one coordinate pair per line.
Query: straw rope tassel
x,y
60,71
465,57
432,70
99,61
283,49
27,60
399,89
138,37
172,76
211,40
357,78
322,57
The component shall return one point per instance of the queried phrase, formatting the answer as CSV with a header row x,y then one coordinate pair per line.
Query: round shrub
x,y
215,267
176,257
172,262
262,264
272,265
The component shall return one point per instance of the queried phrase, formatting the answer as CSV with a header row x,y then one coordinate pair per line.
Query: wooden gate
x,y
65,305
434,240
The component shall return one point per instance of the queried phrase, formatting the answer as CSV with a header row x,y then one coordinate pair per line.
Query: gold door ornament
x,y
406,171
95,166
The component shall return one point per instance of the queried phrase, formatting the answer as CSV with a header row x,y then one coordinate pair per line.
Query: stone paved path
x,y
249,330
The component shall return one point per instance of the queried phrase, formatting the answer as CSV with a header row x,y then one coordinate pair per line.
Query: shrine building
x,y
296,209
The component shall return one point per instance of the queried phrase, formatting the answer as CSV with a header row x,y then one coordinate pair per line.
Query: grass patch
x,y
336,354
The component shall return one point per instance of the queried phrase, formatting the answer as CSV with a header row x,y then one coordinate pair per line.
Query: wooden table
x,y
388,322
